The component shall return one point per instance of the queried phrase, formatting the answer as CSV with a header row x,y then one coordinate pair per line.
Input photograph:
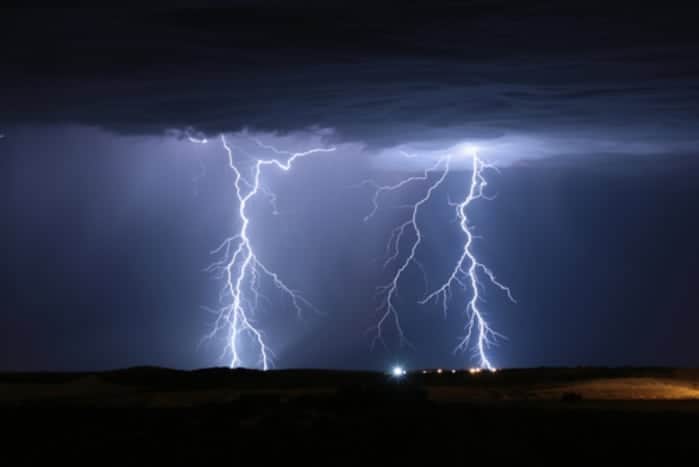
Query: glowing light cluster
x,y
467,273
240,268
472,371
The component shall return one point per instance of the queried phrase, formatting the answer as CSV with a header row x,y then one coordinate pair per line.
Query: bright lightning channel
x,y
202,168
241,268
387,307
194,140
467,272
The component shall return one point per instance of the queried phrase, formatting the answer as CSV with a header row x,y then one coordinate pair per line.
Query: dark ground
x,y
332,417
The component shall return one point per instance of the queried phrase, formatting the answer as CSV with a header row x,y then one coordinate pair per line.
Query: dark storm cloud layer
x,y
378,75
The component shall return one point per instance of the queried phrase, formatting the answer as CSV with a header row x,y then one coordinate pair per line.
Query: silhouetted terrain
x,y
232,414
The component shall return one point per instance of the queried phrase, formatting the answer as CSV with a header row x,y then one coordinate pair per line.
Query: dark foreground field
x,y
564,415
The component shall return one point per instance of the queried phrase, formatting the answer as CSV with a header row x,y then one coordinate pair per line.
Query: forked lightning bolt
x,y
240,267
387,307
467,272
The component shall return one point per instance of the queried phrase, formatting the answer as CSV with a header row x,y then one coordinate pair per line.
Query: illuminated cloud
x,y
555,85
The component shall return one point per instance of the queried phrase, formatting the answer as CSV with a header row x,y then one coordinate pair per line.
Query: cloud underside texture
x,y
379,76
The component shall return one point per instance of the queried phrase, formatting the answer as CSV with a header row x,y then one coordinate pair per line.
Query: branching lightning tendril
x,y
388,292
240,267
467,273
202,168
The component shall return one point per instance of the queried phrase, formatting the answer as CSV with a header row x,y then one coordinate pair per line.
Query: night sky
x,y
591,113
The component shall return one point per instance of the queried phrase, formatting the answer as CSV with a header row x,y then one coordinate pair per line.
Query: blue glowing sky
x,y
590,113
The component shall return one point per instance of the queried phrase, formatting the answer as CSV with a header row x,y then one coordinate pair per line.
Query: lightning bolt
x,y
240,267
194,140
467,273
387,307
202,168
195,137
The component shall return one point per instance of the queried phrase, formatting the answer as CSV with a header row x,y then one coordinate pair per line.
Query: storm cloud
x,y
613,80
